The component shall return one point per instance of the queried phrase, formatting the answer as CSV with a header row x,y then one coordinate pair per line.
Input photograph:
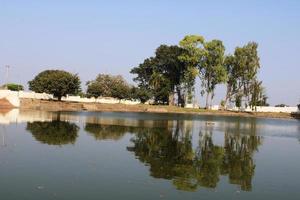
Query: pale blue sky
x,y
91,37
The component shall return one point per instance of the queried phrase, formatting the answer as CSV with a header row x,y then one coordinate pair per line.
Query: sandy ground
x,y
75,106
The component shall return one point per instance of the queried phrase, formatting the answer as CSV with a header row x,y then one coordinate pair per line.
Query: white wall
x,y
269,109
14,98
11,96
108,100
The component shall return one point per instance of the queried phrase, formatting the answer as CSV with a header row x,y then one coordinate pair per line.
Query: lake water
x,y
90,155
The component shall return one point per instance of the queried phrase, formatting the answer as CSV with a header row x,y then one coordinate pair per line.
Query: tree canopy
x,y
106,85
163,74
173,70
170,76
56,82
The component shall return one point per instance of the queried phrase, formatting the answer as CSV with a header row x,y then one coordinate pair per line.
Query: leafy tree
x,y
162,74
108,86
56,82
14,87
211,68
193,45
242,68
233,74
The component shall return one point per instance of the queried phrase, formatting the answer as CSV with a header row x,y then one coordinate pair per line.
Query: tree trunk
x,y
171,99
179,97
207,98
211,98
227,96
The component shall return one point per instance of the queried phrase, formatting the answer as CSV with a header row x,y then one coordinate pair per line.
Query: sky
x,y
91,37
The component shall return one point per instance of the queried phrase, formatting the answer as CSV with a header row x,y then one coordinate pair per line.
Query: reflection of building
x,y
17,116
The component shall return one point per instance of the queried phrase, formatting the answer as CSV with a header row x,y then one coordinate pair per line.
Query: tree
x,y
193,45
211,68
162,74
14,87
248,61
242,68
108,86
233,75
56,82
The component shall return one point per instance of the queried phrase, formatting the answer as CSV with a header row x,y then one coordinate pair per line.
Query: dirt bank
x,y
75,106
4,104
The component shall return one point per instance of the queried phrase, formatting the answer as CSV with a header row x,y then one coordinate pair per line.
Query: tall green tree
x,y
242,68
56,82
211,69
193,45
248,59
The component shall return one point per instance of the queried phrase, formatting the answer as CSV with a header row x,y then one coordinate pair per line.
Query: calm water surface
x,y
86,155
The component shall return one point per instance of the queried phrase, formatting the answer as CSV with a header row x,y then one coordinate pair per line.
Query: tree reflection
x,y
238,159
110,132
106,132
170,155
54,133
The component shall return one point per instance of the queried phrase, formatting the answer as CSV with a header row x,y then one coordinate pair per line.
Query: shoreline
x,y
50,105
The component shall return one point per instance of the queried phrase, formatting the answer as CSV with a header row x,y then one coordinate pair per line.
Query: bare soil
x,y
50,105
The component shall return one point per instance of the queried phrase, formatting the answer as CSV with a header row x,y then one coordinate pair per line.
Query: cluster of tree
x,y
106,85
174,69
169,76
61,83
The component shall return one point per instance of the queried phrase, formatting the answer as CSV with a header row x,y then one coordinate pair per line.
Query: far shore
x,y
50,105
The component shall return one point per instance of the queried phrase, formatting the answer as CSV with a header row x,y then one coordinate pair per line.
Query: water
x,y
86,155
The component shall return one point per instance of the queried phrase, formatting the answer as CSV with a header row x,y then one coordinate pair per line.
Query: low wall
x,y
14,98
268,109
108,100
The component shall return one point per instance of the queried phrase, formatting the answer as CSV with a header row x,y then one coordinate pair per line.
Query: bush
x,y
14,87
281,105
